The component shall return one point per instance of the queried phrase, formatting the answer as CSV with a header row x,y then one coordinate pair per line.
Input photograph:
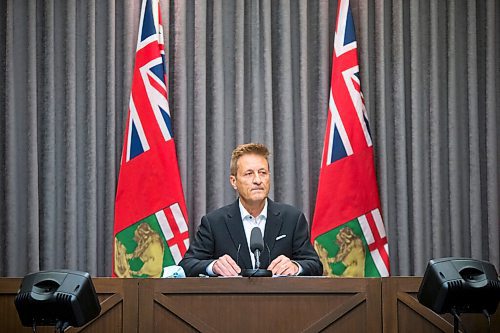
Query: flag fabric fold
x,y
347,230
150,229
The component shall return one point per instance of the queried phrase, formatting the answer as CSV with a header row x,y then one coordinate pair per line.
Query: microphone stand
x,y
257,272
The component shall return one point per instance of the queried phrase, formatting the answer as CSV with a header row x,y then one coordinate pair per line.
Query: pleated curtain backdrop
x,y
242,71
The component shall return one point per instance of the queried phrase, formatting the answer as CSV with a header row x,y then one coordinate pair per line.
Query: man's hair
x,y
247,148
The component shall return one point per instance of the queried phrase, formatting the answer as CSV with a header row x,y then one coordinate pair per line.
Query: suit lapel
x,y
237,232
273,227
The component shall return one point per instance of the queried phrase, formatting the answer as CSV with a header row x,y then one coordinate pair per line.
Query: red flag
x,y
347,230
150,230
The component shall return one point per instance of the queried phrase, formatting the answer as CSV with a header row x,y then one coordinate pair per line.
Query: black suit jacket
x,y
221,232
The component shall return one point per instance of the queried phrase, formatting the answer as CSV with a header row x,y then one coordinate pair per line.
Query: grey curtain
x,y
243,71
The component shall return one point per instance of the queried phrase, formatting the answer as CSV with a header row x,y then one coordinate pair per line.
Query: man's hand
x,y
226,266
282,265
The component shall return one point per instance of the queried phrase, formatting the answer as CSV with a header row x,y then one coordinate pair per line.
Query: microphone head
x,y
256,240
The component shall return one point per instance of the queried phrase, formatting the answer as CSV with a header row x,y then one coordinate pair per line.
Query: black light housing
x,y
59,298
460,285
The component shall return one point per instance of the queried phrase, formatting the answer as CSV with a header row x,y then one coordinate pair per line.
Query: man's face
x,y
252,178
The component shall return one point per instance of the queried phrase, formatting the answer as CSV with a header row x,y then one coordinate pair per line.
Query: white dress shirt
x,y
250,222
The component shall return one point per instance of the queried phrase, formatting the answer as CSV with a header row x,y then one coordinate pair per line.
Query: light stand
x,y
460,285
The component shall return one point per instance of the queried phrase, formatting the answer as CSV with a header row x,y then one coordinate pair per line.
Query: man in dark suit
x,y
221,245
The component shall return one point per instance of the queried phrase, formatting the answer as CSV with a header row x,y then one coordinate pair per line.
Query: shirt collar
x,y
245,213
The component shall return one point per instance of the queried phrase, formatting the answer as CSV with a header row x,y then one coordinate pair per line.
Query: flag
x,y
347,230
150,230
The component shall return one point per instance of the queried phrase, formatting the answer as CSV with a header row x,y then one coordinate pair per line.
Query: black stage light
x,y
460,285
59,298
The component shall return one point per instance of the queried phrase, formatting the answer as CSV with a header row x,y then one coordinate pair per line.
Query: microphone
x,y
238,255
268,258
256,246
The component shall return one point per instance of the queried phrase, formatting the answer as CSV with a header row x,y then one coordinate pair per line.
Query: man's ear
x,y
232,180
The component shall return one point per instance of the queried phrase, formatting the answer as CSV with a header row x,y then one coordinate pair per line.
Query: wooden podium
x,y
291,304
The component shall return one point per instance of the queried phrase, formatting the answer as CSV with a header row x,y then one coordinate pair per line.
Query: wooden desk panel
x,y
293,304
